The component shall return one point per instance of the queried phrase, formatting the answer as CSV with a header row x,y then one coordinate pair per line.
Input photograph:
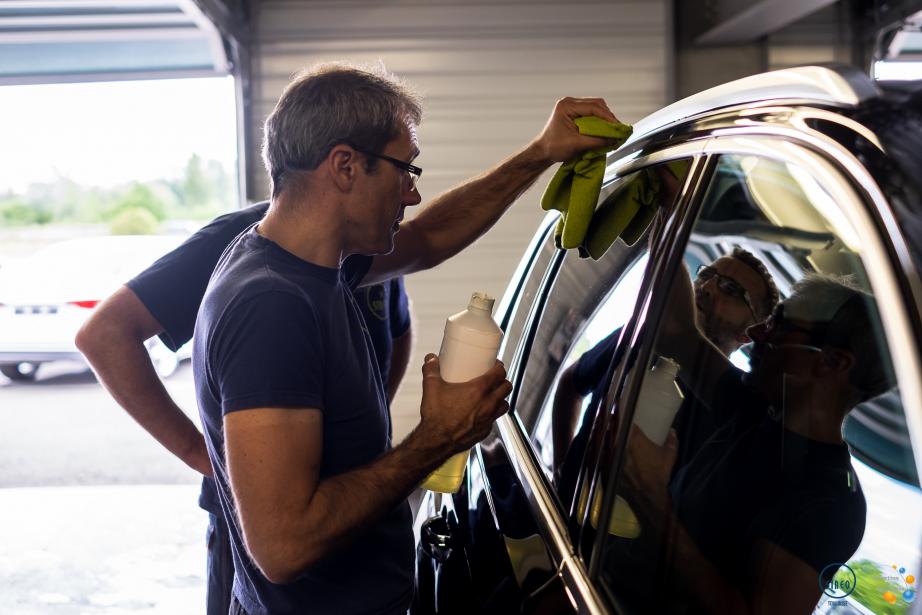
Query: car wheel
x,y
20,372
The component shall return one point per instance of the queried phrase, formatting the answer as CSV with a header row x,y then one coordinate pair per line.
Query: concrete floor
x,y
89,550
95,517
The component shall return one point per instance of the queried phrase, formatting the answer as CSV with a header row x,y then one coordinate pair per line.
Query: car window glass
x,y
525,297
768,462
588,304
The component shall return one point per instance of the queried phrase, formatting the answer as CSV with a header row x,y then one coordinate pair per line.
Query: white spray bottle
x,y
469,348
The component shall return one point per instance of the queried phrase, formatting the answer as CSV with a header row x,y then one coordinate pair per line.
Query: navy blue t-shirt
x,y
172,288
754,480
276,331
387,314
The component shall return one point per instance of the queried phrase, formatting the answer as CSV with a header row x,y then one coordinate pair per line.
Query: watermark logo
x,y
838,580
904,581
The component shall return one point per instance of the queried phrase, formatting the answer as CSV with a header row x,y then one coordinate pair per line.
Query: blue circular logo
x,y
838,580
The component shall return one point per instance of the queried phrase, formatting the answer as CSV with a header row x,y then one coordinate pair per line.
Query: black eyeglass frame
x,y
777,321
414,171
722,284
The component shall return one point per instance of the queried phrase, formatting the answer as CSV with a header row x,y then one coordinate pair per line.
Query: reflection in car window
x,y
589,303
784,487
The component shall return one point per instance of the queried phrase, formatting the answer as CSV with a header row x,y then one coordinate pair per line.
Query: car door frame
x,y
552,519
895,283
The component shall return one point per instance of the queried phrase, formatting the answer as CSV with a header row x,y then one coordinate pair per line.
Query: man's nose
x,y
757,332
412,197
708,286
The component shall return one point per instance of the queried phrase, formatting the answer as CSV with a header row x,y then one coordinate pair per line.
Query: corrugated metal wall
x,y
491,72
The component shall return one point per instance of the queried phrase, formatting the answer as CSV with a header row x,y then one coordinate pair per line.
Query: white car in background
x,y
46,297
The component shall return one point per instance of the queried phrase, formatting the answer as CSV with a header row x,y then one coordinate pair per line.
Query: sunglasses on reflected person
x,y
726,285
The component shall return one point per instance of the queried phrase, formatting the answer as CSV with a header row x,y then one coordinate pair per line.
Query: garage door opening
x,y
99,180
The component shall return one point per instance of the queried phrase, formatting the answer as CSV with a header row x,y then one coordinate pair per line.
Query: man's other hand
x,y
462,414
560,139
647,469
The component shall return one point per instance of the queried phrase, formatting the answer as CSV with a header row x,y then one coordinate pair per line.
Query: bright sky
x,y
107,133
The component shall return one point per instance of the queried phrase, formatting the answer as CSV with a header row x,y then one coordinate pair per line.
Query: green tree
x,y
225,189
139,196
15,212
134,221
196,187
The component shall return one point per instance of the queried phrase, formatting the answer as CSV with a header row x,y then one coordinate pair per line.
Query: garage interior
x,y
489,70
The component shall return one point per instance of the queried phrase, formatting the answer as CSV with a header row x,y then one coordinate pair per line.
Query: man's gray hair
x,y
852,323
329,104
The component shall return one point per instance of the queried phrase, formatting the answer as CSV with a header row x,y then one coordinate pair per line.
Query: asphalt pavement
x,y
95,517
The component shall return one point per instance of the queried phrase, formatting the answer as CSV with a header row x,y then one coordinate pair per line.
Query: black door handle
x,y
436,538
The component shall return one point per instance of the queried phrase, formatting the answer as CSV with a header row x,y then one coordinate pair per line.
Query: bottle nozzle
x,y
482,301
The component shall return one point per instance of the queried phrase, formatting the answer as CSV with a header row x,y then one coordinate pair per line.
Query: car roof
x,y
892,111
832,85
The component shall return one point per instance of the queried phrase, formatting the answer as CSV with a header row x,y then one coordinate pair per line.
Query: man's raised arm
x,y
457,218
112,341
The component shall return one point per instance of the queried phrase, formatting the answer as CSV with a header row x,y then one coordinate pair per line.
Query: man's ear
x,y
342,164
838,360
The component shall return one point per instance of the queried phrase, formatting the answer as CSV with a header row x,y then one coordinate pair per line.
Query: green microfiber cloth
x,y
629,211
574,189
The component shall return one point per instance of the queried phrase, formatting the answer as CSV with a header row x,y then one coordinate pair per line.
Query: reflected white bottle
x,y
469,348
659,400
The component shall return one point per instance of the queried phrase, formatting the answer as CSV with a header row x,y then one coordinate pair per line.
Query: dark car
x,y
753,504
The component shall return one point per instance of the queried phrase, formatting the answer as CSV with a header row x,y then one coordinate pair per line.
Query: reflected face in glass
x,y
782,345
727,293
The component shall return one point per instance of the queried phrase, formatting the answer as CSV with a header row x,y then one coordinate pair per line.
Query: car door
x,y
765,509
504,542
463,564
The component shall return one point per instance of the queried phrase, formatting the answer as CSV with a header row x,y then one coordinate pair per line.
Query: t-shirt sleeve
x,y
172,288
267,352
399,311
590,367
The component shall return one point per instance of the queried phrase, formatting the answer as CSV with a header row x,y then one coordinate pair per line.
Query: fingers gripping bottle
x,y
469,347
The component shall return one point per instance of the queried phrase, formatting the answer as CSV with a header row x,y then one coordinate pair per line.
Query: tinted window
x,y
786,480
588,304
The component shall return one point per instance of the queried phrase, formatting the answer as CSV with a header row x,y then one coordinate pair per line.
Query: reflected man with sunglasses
x,y
771,498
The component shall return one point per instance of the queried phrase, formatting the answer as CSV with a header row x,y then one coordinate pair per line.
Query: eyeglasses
x,y
777,323
413,172
726,285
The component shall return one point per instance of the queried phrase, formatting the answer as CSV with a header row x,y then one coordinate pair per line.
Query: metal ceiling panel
x,y
744,21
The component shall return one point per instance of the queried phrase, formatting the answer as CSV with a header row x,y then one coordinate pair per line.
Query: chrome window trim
x,y
833,166
515,338
553,527
509,302
674,237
